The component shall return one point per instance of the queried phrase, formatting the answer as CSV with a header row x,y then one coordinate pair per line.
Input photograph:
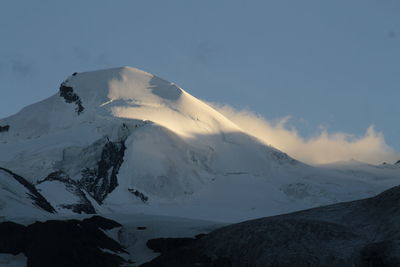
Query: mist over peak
x,y
324,147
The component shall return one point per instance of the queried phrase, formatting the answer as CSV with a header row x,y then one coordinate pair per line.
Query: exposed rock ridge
x,y
34,194
84,205
67,92
4,128
102,179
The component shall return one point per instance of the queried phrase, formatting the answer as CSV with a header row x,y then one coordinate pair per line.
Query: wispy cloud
x,y
325,147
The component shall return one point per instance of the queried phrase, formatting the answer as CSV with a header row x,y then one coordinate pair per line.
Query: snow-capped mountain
x,y
123,140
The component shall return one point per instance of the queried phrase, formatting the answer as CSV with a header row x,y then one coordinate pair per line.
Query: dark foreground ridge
x,y
359,233
63,243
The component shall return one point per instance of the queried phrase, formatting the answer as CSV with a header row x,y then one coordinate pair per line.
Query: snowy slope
x,y
123,140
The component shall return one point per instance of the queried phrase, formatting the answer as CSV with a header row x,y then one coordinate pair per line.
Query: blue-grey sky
x,y
334,64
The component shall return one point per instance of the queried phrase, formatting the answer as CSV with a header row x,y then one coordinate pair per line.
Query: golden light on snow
x,y
324,148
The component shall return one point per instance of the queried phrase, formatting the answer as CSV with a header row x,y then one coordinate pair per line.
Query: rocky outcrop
x,y
359,233
67,92
139,194
4,128
63,243
33,194
92,169
102,179
83,205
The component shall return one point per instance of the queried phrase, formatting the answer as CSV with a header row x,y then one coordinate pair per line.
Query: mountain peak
x,y
124,83
131,93
111,95
90,147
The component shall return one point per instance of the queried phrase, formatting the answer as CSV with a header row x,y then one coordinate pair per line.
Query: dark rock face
x,y
63,243
4,128
38,199
68,94
102,180
358,233
84,205
182,252
98,165
179,252
12,238
162,245
139,194
103,223
386,253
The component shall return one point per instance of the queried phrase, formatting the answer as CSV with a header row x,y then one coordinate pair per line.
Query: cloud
x,y
325,147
